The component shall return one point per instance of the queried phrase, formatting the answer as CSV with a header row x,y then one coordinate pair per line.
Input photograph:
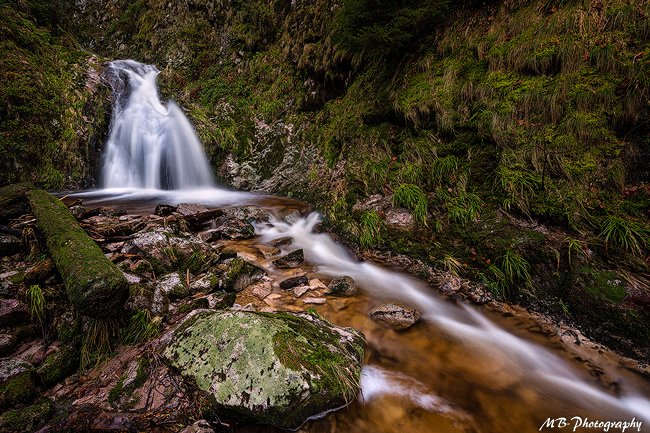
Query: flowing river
x,y
460,369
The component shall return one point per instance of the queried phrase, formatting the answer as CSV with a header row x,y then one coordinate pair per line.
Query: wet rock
x,y
151,298
262,288
282,242
394,315
317,284
249,213
277,369
299,291
26,419
9,245
166,250
40,272
292,282
291,260
187,209
342,286
192,304
173,286
221,300
164,210
201,426
16,381
399,218
7,343
227,253
231,228
239,275
58,364
316,301
13,312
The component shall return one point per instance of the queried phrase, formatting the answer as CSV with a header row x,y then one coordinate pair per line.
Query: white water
x,y
465,323
150,146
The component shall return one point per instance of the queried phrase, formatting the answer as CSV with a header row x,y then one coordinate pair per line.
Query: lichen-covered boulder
x,y
16,381
276,368
342,286
290,260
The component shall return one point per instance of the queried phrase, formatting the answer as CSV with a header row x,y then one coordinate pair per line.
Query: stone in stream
x,y
16,381
275,368
239,275
282,242
187,209
290,260
164,210
342,286
94,285
231,228
292,282
394,315
315,301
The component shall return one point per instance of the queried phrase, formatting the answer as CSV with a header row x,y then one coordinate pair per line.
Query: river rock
x,y
301,290
292,282
164,210
316,301
13,312
173,286
239,275
342,286
9,245
167,250
187,209
16,381
204,283
275,368
231,228
291,260
394,315
282,242
201,426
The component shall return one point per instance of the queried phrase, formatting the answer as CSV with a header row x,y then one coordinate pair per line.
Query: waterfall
x,y
150,146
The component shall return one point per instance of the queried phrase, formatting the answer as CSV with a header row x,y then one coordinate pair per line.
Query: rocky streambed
x,y
224,330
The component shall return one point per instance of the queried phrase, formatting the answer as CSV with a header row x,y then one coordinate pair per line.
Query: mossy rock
x,y
239,275
58,365
95,286
276,368
602,284
26,419
16,381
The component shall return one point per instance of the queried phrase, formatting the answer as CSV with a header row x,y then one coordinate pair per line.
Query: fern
x,y
36,302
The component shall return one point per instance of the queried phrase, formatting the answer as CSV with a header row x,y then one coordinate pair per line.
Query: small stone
x,y
290,260
394,315
268,251
9,245
282,241
7,343
221,300
342,286
187,209
317,301
204,283
13,312
292,282
77,211
172,285
399,218
299,291
201,426
317,284
164,210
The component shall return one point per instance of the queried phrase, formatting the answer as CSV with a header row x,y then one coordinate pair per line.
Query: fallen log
x,y
95,286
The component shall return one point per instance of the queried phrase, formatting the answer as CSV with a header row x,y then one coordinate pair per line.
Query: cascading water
x,y
150,146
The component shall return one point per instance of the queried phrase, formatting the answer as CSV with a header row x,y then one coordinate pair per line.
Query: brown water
x,y
435,381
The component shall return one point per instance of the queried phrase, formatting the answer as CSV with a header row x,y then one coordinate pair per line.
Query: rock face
x,y
342,286
394,315
277,368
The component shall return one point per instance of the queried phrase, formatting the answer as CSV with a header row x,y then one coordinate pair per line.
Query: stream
x,y
459,369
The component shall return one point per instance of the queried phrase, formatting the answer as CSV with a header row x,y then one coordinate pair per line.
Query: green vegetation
x,y
625,234
141,327
413,198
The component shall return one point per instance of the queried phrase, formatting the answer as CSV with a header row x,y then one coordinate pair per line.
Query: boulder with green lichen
x,y
239,275
276,368
16,381
58,365
95,286
26,419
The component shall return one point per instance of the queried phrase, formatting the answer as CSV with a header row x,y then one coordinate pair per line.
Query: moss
x,y
239,275
29,418
603,284
58,365
121,395
18,389
94,285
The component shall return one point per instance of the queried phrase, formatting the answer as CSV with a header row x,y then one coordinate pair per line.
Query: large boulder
x,y
276,368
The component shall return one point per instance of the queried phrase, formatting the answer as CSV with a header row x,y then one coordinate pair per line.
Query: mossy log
x,y
95,286
13,201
